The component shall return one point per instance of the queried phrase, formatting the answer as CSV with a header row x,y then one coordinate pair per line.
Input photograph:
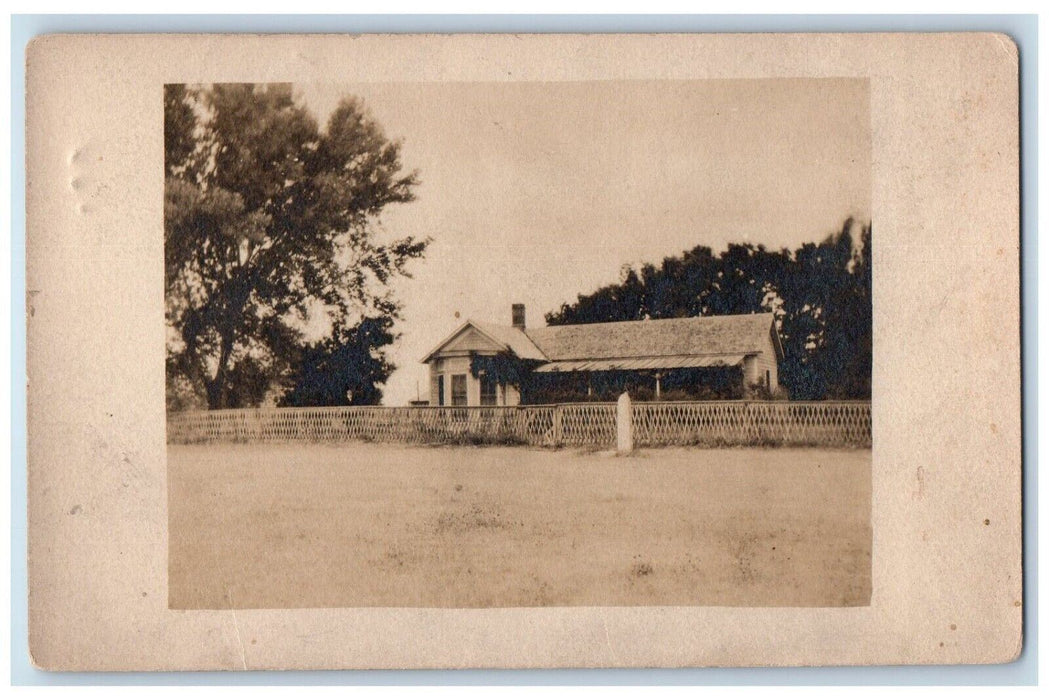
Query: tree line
x,y
820,294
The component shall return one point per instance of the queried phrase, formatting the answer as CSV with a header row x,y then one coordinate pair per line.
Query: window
x,y
440,389
488,391
458,389
768,379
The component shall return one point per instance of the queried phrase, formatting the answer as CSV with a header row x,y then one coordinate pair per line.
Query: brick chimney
x,y
518,315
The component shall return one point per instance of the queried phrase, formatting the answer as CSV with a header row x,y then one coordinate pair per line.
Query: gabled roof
x,y
510,338
704,335
719,338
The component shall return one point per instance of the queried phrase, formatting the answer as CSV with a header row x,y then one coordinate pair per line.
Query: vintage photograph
x,y
518,344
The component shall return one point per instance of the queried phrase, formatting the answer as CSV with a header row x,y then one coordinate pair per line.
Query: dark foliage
x,y
820,293
347,369
503,368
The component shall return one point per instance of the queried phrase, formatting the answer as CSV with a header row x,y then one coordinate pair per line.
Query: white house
x,y
654,347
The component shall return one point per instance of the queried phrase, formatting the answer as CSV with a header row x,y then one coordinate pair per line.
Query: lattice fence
x,y
655,424
838,423
584,424
494,424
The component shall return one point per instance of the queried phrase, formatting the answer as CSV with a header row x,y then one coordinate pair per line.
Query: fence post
x,y
744,423
624,425
558,429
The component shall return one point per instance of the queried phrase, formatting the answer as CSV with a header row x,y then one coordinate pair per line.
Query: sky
x,y
536,192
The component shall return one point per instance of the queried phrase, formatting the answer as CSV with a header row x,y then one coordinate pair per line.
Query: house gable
x,y
465,339
469,340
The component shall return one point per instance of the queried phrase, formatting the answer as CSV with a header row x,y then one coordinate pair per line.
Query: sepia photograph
x,y
518,344
523,351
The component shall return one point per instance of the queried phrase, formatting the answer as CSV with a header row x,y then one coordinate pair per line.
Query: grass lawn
x,y
292,525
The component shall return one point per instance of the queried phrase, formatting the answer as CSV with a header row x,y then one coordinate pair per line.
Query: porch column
x,y
659,375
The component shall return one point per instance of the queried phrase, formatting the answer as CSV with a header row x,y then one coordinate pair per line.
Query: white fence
x,y
709,423
837,423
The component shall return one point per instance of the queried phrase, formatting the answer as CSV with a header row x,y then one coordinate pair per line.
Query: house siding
x,y
755,366
435,387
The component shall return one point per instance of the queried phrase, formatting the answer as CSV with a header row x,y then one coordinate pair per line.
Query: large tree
x,y
820,294
272,227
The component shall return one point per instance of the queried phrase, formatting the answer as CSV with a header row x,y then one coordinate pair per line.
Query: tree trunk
x,y
218,394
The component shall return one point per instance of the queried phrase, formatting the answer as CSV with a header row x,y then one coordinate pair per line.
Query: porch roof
x,y
637,363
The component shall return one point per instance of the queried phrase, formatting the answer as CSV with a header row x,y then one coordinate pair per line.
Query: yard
x,y
362,524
